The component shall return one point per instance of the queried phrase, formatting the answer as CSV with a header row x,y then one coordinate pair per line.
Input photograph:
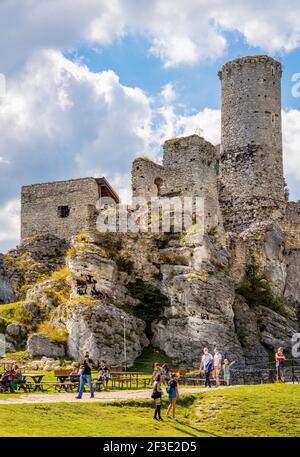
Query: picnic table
x,y
126,379
37,379
63,379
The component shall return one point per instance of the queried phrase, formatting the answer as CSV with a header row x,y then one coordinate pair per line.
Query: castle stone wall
x,y
146,177
252,182
40,212
188,171
291,226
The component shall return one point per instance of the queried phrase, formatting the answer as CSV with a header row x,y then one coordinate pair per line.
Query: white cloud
x,y
179,33
168,93
291,142
206,123
60,120
10,220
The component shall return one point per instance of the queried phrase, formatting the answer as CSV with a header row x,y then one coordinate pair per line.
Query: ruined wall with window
x,y
62,208
147,178
252,183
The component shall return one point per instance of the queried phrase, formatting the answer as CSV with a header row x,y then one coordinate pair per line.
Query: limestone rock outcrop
x,y
99,329
7,293
201,303
40,345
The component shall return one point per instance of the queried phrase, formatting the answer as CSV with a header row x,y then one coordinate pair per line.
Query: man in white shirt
x,y
207,365
217,365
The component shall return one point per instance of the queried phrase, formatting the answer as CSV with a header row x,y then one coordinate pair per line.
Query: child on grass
x,y
226,370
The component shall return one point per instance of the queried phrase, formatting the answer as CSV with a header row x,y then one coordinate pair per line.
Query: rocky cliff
x,y
177,293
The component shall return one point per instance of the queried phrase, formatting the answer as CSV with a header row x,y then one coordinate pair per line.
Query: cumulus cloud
x,y
179,33
59,120
10,220
291,142
168,93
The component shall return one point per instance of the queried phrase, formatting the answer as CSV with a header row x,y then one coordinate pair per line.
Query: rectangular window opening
x,y
63,211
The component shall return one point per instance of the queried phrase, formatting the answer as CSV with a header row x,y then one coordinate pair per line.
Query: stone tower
x,y
252,182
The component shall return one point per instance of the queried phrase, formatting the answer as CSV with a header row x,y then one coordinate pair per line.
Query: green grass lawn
x,y
127,418
263,410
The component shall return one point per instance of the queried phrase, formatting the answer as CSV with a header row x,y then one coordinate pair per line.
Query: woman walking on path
x,y
206,365
173,393
156,395
280,359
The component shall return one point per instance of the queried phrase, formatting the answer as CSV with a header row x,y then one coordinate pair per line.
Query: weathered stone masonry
x,y
188,170
62,208
252,182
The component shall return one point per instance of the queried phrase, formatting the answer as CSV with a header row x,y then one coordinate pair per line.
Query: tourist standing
x,y
173,393
157,369
207,365
280,360
156,395
166,375
226,370
86,375
217,365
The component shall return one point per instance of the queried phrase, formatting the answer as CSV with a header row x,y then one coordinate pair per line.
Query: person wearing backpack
x,y
173,393
207,366
156,395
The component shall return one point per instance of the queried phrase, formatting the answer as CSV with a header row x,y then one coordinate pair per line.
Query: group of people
x,y
209,365
214,365
12,379
162,376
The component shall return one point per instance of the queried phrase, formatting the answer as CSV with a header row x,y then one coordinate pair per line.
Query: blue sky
x,y
92,85
197,86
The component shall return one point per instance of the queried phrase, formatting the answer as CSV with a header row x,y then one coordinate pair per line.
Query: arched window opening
x,y
159,183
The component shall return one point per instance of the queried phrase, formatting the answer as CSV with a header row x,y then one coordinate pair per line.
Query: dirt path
x,y
17,399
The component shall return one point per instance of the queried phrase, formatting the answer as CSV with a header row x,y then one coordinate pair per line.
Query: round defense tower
x,y
252,182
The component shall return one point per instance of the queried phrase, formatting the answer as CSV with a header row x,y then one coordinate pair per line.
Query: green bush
x,y
57,335
111,242
124,264
8,311
256,289
152,302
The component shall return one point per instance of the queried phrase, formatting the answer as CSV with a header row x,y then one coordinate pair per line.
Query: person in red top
x,y
280,359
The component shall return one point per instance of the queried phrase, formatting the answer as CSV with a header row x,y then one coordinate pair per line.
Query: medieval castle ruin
x,y
234,285
62,208
241,180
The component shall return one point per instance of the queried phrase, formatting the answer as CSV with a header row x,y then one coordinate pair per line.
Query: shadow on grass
x,y
192,429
